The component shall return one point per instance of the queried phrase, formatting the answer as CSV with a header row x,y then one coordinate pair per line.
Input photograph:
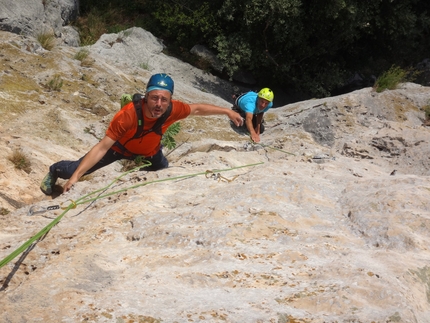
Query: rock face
x,y
32,17
327,220
204,53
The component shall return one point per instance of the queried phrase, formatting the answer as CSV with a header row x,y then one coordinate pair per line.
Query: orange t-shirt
x,y
124,125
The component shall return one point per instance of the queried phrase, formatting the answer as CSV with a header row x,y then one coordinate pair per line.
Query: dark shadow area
x,y
222,89
239,130
57,190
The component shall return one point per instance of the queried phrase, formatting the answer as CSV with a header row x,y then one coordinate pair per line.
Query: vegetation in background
x,y
312,46
4,211
145,66
46,40
168,139
99,20
427,112
390,79
82,54
55,84
130,164
20,160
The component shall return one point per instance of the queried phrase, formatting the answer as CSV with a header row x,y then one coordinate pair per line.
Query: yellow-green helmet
x,y
266,94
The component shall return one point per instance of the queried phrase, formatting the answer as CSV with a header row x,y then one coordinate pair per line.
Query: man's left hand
x,y
236,118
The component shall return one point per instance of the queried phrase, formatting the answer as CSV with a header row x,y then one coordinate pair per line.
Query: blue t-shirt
x,y
248,103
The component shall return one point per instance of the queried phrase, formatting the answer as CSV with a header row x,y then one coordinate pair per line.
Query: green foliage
x,y
128,7
168,139
139,161
99,21
297,44
232,52
145,66
390,79
427,111
82,54
130,164
185,23
55,84
20,160
4,211
46,40
91,27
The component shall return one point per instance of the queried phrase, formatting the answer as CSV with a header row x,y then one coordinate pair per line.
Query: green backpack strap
x,y
125,99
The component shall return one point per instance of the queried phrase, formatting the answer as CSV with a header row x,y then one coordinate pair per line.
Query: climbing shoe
x,y
48,183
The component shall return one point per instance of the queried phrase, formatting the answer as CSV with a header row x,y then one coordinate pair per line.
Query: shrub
x,y
82,54
101,21
91,28
145,66
46,40
130,164
87,62
427,112
168,139
20,160
55,84
390,79
4,211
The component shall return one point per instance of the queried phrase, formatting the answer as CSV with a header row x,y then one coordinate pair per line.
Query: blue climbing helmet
x,y
160,82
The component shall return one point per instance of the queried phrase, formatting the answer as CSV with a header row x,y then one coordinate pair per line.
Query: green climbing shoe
x,y
48,183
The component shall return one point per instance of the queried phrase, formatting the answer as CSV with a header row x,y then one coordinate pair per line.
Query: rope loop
x,y
74,205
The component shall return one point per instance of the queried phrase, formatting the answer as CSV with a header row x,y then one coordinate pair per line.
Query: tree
x,y
307,45
314,45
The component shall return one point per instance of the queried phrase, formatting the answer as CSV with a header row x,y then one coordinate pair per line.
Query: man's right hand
x,y
68,185
91,158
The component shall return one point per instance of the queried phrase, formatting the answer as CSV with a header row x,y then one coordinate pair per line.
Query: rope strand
x,y
86,198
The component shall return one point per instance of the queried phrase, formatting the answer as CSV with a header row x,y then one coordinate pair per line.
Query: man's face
x,y
157,102
262,103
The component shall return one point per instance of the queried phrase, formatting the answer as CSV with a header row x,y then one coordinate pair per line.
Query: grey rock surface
x,y
30,18
204,53
327,220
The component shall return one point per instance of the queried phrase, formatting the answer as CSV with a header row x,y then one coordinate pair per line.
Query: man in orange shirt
x,y
119,142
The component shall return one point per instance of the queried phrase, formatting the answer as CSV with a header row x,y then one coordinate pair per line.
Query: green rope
x,y
267,146
87,198
286,152
41,233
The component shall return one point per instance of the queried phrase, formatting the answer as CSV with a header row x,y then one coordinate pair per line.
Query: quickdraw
x,y
35,209
87,198
217,176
